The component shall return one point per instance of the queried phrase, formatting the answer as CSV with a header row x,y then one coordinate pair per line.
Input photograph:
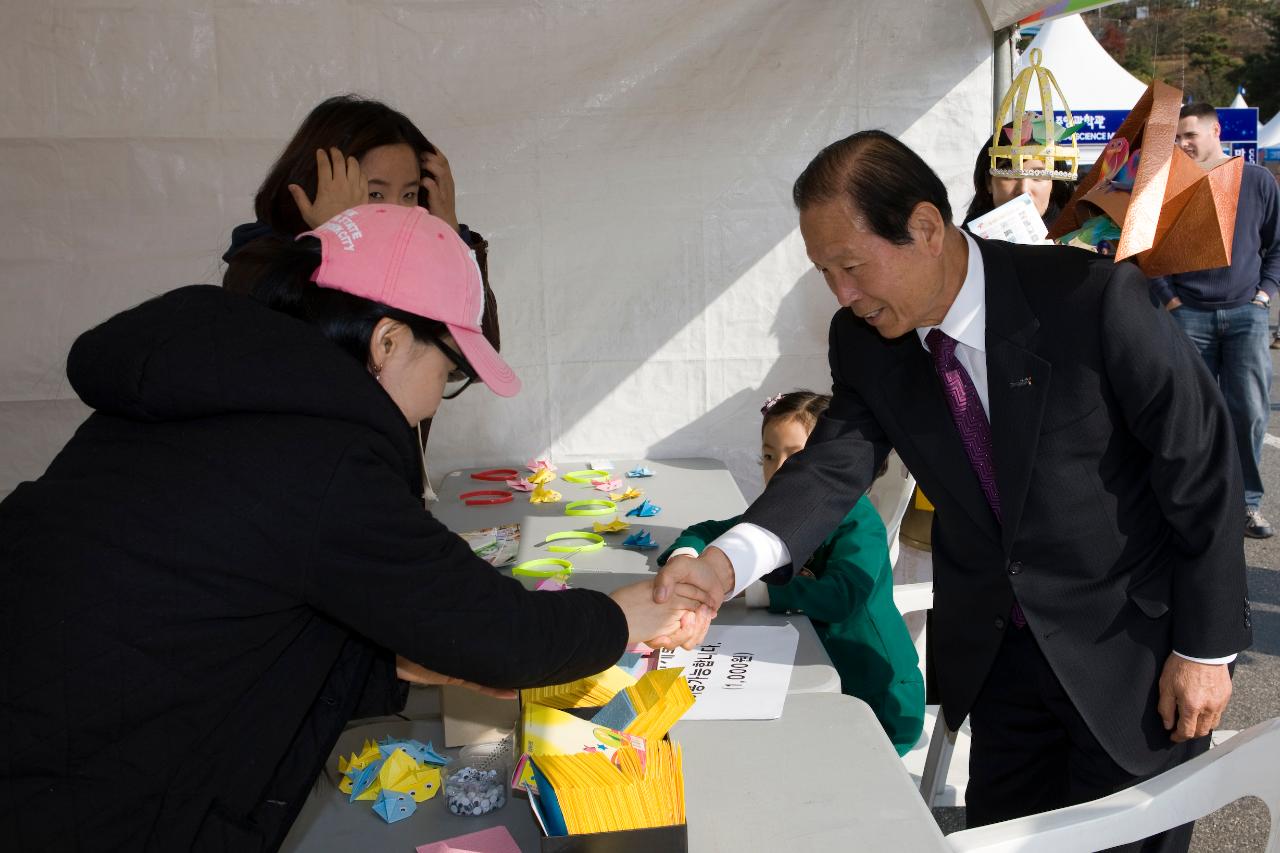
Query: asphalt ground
x,y
1243,825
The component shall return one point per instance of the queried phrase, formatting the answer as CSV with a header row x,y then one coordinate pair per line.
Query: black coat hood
x,y
200,351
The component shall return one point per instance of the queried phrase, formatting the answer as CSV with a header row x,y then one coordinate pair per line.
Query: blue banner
x,y
1239,125
1099,125
1239,128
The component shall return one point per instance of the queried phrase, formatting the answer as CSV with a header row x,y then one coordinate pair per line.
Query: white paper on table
x,y
740,672
1015,221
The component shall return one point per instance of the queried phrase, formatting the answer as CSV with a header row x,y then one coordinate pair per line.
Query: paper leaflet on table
x,y
521,484
1015,221
740,672
640,539
497,546
615,526
629,494
543,495
645,509
495,839
601,465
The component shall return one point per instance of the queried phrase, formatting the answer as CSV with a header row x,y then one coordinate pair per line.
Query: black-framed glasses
x,y
463,374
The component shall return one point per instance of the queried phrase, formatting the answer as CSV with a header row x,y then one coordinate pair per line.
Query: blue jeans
x,y
1234,344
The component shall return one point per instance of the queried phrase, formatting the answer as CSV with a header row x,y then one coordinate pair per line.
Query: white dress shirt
x,y
754,551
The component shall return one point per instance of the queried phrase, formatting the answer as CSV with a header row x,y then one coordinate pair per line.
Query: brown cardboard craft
x,y
471,717
1178,218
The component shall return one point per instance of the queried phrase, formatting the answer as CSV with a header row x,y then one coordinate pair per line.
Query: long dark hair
x,y
352,124
276,271
983,202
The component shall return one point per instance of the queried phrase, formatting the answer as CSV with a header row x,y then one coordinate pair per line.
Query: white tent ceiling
x,y
1004,13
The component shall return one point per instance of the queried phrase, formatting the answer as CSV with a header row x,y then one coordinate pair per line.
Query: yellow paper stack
x,y
642,791
589,692
660,699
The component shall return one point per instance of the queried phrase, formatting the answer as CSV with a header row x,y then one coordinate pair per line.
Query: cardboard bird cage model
x,y
1032,137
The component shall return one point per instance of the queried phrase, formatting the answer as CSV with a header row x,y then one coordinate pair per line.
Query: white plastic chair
x,y
931,759
1242,766
891,495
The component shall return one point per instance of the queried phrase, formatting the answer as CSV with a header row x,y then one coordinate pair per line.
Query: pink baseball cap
x,y
405,258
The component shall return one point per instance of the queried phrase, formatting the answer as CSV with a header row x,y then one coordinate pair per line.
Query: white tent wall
x,y
630,164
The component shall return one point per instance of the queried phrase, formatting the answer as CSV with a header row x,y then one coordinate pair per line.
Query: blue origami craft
x,y
363,779
392,806
640,539
640,472
423,753
646,509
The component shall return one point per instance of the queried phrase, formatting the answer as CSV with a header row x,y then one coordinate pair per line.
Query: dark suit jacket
x,y
1120,488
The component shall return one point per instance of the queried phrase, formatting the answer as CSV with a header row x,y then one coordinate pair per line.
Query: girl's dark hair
x,y
804,406
277,272
983,202
352,124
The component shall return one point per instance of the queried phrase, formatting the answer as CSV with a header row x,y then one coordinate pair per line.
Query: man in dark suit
x,y
1088,571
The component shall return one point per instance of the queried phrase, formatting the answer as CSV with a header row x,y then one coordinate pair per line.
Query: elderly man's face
x,y
893,288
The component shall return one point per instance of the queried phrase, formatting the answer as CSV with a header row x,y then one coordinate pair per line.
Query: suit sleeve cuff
x,y
753,551
1206,661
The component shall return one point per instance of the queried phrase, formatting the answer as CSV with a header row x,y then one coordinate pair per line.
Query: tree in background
x,y
1207,54
1260,73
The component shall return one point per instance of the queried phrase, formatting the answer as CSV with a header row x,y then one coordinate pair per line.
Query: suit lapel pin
x,y
1024,382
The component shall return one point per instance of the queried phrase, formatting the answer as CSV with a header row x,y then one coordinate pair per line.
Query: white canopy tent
x,y
1238,102
629,163
1269,133
1089,77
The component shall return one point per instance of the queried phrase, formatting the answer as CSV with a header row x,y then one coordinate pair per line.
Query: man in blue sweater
x,y
1225,310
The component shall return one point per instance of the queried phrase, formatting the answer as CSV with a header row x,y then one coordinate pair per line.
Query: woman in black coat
x,y
229,559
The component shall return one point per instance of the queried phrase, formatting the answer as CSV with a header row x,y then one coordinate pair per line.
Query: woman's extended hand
x,y
407,670
438,184
339,185
678,620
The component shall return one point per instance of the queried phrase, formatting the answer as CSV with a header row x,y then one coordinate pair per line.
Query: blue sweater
x,y
1255,253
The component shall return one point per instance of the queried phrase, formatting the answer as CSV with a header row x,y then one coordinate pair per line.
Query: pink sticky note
x,y
494,840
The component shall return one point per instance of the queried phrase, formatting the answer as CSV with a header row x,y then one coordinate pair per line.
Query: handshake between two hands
x,y
673,609
677,606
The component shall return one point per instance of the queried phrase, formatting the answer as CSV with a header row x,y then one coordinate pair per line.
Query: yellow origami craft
x,y
542,477
615,526
629,494
543,495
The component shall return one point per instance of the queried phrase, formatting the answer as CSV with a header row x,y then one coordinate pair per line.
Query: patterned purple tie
x,y
971,421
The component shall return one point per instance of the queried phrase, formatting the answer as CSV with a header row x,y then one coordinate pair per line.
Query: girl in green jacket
x,y
846,588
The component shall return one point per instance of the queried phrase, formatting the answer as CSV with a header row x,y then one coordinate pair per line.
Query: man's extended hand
x,y
1194,696
708,578
711,575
